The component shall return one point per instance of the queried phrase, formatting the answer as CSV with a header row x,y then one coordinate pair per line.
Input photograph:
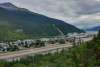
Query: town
x,y
10,46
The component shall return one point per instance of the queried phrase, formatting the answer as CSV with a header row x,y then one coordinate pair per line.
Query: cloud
x,y
88,21
90,17
88,6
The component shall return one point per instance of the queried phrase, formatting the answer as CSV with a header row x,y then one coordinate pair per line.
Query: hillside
x,y
21,20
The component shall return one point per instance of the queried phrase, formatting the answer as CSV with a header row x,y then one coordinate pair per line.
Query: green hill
x,y
19,20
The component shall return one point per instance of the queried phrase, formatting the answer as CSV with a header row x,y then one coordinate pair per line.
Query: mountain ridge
x,y
96,28
34,23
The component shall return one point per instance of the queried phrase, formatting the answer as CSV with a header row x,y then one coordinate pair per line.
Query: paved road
x,y
5,56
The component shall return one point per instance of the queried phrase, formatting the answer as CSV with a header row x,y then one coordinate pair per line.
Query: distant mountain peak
x,y
8,5
96,28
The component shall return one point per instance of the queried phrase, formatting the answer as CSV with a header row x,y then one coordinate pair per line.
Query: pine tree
x,y
99,34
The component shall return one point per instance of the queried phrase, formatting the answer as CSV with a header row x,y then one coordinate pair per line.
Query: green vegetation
x,y
8,33
84,55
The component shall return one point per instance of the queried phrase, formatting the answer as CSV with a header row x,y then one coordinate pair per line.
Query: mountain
x,y
23,21
96,28
8,5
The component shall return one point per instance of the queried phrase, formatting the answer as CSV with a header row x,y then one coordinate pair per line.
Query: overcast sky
x,y
82,13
